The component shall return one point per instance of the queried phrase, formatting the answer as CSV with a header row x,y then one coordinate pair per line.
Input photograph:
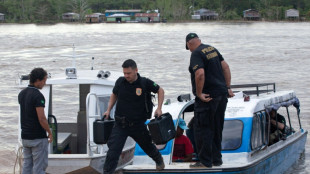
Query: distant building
x,y
94,18
292,14
205,14
118,18
70,17
251,14
147,17
2,17
196,17
126,12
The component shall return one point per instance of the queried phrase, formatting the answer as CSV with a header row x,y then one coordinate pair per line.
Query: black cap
x,y
189,37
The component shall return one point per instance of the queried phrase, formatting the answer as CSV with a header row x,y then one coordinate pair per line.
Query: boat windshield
x,y
232,134
103,105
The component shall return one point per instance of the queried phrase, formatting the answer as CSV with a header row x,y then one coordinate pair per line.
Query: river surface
x,y
256,52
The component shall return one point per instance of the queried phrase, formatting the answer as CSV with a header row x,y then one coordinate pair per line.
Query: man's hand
x,y
107,114
230,93
50,138
204,97
158,112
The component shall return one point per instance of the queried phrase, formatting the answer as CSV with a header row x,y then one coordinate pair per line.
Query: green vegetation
x,y
50,11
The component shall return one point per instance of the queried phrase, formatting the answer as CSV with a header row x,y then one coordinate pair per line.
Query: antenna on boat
x,y
92,63
71,71
73,56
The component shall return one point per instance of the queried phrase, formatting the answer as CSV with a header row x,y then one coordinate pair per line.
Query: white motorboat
x,y
73,149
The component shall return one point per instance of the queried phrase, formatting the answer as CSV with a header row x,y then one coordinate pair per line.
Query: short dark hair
x,y
37,74
129,63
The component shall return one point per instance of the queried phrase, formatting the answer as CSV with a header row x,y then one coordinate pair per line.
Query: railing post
x,y
289,119
257,91
87,124
298,112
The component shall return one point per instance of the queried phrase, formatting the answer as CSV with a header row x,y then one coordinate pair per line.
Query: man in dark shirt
x,y
34,124
277,127
210,77
130,115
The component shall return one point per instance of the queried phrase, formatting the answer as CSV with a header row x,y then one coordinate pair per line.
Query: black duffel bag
x,y
162,129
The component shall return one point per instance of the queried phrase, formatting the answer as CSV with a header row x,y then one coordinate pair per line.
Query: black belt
x,y
124,122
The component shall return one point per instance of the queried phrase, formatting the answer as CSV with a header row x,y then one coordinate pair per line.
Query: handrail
x,y
289,119
89,152
55,141
257,86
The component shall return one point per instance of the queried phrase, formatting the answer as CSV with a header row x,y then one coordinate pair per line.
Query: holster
x,y
123,122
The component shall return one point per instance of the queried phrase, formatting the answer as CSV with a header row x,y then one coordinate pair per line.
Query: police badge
x,y
138,91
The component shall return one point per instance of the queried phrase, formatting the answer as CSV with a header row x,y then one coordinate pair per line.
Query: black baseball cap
x,y
189,37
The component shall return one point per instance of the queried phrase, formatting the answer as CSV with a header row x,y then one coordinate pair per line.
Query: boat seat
x,y
63,140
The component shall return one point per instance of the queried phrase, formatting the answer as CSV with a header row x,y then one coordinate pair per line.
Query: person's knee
x,y
40,156
272,138
27,167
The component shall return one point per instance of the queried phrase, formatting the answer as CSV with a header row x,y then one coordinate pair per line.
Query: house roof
x,y
291,9
147,14
119,11
94,15
118,15
205,12
70,13
251,10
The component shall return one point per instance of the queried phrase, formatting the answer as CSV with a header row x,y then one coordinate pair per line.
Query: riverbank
x,y
173,22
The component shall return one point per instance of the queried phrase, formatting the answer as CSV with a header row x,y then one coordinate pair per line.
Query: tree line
x,y
41,11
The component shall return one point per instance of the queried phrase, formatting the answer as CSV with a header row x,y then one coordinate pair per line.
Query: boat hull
x,y
82,163
281,157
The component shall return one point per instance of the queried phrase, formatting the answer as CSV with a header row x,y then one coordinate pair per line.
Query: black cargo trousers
x,y
121,130
208,127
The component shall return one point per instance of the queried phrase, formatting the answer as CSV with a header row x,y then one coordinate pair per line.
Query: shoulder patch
x,y
195,67
154,84
42,101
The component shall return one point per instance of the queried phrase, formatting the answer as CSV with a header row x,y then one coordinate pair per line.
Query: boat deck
x,y
183,167
178,166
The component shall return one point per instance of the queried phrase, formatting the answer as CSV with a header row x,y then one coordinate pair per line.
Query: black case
x,y
162,129
102,130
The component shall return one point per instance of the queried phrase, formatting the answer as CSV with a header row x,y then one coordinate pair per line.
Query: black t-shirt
x,y
131,99
208,58
30,98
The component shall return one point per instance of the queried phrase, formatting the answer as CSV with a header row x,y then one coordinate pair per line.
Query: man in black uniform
x,y
130,115
34,124
210,77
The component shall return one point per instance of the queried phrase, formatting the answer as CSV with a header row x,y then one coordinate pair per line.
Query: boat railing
x,y
259,88
88,117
